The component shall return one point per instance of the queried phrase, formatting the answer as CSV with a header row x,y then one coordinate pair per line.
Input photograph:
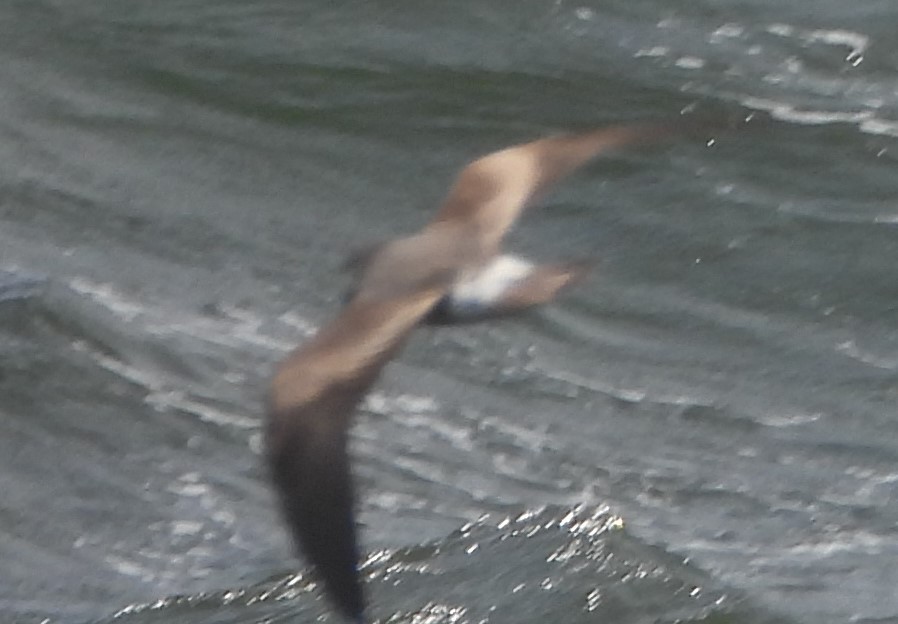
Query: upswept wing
x,y
490,193
312,398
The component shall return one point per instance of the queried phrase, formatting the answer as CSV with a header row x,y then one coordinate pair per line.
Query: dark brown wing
x,y
312,398
491,192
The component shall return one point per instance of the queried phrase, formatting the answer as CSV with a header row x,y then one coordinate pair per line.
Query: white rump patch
x,y
494,279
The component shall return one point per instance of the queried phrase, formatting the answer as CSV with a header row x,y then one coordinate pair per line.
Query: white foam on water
x,y
880,126
690,62
655,51
781,30
786,419
236,327
729,30
233,327
130,568
168,400
380,403
108,297
788,112
161,396
182,528
858,541
854,41
850,348
295,321
614,390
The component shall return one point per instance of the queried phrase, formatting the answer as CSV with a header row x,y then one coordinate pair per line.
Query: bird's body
x,y
452,271
475,294
505,285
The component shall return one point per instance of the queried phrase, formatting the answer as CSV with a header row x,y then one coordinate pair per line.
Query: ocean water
x,y
704,431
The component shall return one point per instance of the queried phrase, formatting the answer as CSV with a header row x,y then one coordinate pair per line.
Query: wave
x,y
575,564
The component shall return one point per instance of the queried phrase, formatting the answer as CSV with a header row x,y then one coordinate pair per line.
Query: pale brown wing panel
x,y
491,192
363,333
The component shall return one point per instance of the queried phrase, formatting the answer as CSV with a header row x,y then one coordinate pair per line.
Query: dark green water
x,y
703,432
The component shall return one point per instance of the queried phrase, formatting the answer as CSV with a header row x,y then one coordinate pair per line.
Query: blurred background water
x,y
703,432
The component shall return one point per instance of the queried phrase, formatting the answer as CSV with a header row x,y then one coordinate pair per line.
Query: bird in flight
x,y
452,271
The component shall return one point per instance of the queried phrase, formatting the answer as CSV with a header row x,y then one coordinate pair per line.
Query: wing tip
x,y
309,468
